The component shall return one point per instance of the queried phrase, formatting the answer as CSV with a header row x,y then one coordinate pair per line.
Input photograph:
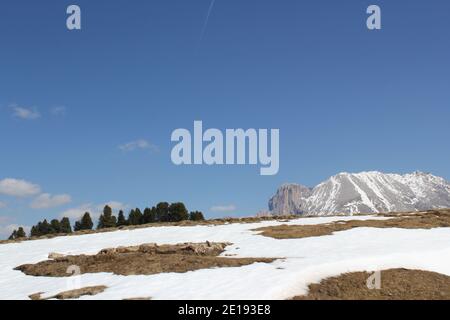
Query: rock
x,y
148,248
108,251
35,296
127,249
207,248
74,294
289,199
55,256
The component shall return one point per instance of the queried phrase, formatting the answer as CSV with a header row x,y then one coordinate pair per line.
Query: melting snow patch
x,y
301,261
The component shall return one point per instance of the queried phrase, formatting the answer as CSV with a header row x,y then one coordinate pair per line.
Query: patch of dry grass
x,y
396,284
422,220
146,259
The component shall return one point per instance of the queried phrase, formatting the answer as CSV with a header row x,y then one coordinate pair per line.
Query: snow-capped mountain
x,y
365,192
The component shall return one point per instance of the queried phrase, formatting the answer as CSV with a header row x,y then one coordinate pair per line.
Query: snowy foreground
x,y
302,261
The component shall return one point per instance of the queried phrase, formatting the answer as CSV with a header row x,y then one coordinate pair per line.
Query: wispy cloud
x,y
18,188
2,205
58,111
46,201
205,25
140,144
225,208
25,113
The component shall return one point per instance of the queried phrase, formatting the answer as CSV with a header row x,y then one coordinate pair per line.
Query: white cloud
x,y
2,205
227,208
141,144
115,205
25,113
46,201
77,212
18,188
58,111
94,209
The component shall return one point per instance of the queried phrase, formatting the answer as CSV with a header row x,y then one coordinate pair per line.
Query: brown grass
x,y
422,220
396,284
142,260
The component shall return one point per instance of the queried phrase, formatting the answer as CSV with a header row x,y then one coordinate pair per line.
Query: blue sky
x,y
344,98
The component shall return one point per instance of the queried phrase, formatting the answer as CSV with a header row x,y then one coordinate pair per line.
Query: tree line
x,y
162,212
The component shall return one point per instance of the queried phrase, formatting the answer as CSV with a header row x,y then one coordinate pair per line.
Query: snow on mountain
x,y
365,192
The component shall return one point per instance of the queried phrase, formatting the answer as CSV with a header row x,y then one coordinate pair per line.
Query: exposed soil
x,y
422,220
146,259
71,294
396,284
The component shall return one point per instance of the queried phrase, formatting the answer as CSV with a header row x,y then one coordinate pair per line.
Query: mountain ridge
x,y
364,192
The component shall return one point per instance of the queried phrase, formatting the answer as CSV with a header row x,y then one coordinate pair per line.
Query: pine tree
x,y
44,227
85,223
162,212
196,216
55,226
139,216
107,220
21,233
149,215
178,212
34,232
135,217
13,235
121,221
65,226
77,226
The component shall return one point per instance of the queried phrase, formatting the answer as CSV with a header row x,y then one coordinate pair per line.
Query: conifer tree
x,y
162,212
44,227
196,216
178,212
13,235
65,226
135,217
107,220
20,233
55,226
149,215
85,223
34,232
121,221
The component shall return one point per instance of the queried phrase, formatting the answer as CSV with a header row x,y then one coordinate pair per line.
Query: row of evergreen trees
x,y
163,212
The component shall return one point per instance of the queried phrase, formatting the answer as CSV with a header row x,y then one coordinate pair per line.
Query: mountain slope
x,y
368,192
